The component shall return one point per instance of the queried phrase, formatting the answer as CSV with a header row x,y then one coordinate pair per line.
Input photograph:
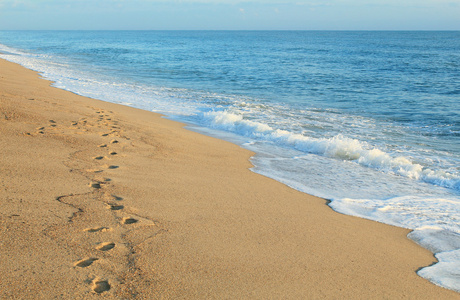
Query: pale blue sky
x,y
227,14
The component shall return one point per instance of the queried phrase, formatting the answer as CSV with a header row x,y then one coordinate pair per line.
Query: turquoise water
x,y
369,120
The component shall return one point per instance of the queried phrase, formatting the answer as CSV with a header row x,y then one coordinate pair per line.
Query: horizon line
x,y
230,30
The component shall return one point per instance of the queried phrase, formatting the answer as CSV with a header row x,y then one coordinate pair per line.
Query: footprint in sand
x,y
103,146
96,229
113,141
114,197
105,246
96,185
85,262
98,157
100,286
94,171
129,220
113,153
52,121
115,207
40,130
113,167
105,134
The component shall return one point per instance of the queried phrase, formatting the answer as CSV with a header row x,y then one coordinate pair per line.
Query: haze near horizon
x,y
229,15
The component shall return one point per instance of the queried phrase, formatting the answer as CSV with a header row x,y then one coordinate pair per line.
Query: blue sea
x,y
368,120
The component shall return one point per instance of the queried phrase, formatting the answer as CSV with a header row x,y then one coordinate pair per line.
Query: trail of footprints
x,y
100,285
110,132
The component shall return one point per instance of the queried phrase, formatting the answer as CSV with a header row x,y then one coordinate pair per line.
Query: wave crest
x,y
338,147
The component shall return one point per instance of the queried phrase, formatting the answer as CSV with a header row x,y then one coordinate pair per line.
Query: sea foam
x,y
339,147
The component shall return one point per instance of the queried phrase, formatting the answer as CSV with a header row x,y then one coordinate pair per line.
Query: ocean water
x,y
368,120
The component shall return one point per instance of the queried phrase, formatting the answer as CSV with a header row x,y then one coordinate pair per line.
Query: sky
x,y
230,15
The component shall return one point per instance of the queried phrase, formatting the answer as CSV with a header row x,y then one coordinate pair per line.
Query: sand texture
x,y
103,201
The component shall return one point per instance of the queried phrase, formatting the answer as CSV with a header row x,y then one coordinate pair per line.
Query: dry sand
x,y
103,201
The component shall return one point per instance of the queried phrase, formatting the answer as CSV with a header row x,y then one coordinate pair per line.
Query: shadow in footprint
x,y
94,170
100,286
115,207
113,167
105,246
85,262
95,185
118,198
96,229
129,221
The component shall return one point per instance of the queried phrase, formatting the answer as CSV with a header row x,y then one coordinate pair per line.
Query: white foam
x,y
435,221
339,147
446,272
436,224
436,239
446,245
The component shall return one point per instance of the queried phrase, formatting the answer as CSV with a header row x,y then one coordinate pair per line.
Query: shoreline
x,y
108,200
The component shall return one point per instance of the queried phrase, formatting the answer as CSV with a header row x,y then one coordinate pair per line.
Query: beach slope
x,y
104,201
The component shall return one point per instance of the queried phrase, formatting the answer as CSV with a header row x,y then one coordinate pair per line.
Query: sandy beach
x,y
103,201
